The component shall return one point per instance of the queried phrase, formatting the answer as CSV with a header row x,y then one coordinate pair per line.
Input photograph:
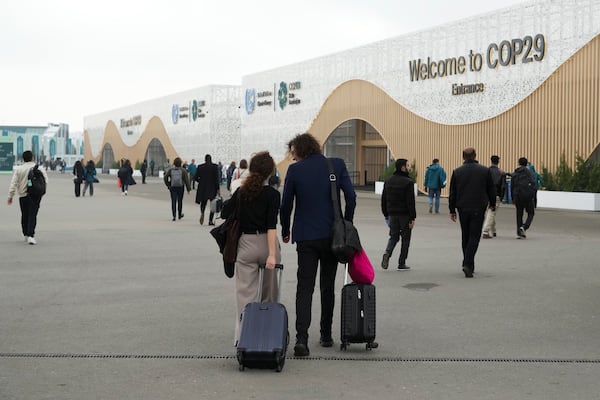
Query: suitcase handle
x,y
261,273
346,274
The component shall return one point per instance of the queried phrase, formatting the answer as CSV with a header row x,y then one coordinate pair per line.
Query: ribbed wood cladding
x,y
561,117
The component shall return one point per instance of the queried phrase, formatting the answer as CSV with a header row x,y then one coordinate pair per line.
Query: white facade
x,y
199,121
532,40
557,28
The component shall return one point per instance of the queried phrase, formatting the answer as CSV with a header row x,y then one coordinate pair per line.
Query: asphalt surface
x,y
116,301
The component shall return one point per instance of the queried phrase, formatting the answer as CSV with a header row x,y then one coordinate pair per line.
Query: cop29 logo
x,y
250,100
282,95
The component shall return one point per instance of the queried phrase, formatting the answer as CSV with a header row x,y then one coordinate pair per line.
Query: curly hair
x,y
261,168
305,145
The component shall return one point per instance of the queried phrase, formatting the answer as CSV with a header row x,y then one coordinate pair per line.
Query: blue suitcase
x,y
264,333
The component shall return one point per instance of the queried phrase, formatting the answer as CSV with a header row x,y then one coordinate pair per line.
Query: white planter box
x,y
569,200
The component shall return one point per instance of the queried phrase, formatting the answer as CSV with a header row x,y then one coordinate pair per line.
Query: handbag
x,y
360,268
119,184
227,235
345,241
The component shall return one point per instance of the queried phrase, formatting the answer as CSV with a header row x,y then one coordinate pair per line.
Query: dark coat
x,y
307,184
471,187
398,197
207,176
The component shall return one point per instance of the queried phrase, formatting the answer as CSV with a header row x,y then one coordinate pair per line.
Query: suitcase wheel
x,y
372,345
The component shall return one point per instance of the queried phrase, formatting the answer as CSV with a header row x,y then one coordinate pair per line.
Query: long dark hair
x,y
261,168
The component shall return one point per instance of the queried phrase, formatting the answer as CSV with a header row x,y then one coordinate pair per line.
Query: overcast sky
x,y
64,59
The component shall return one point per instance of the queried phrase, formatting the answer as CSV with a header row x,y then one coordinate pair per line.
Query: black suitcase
x,y
264,333
358,314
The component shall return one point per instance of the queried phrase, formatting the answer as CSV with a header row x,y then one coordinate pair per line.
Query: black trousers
x,y
521,206
203,204
176,200
399,229
310,252
29,210
471,223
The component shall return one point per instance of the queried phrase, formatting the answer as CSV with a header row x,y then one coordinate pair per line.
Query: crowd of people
x,y
305,213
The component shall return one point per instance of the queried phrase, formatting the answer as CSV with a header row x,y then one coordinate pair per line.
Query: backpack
x,y
176,177
36,183
523,186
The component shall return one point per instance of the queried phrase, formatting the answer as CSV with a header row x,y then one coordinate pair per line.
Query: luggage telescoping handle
x,y
261,276
346,274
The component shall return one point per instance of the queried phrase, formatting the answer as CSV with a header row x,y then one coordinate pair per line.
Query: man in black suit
x,y
207,176
471,190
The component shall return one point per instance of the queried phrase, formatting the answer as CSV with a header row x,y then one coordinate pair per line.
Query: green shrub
x,y
585,178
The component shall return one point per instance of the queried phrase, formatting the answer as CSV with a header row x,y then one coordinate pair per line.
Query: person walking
x,y
152,164
29,204
539,182
125,174
229,175
523,190
207,176
498,177
78,177
471,191
238,176
308,189
435,181
90,177
398,207
143,170
258,206
192,172
177,179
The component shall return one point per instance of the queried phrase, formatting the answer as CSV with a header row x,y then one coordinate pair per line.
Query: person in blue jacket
x,y
308,189
435,181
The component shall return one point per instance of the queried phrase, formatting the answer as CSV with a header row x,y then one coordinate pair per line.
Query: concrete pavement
x,y
118,302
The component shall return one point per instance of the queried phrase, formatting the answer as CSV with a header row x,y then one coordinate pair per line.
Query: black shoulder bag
x,y
345,241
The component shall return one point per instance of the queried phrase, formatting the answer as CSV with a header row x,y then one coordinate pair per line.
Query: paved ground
x,y
118,302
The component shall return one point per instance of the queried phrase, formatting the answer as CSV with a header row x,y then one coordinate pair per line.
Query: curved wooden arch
x,y
154,129
559,117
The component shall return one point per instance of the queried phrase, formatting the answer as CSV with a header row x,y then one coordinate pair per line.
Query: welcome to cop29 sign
x,y
503,54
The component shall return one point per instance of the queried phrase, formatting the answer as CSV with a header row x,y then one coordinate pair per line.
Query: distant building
x,y
523,80
46,142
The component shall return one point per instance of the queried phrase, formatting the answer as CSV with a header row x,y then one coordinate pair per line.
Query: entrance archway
x,y
362,147
156,155
108,158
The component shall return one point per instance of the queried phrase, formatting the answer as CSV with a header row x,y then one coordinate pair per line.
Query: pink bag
x,y
360,268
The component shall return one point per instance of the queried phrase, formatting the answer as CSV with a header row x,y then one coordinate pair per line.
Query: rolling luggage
x,y
358,314
264,333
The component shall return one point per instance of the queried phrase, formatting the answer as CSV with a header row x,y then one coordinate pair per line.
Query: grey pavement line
x,y
317,358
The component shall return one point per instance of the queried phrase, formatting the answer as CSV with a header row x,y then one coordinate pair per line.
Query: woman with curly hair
x,y
258,211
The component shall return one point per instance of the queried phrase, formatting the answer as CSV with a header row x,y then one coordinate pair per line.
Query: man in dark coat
x,y
207,176
398,207
307,189
471,190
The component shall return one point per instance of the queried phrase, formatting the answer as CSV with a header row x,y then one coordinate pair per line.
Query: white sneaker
x,y
31,240
126,193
